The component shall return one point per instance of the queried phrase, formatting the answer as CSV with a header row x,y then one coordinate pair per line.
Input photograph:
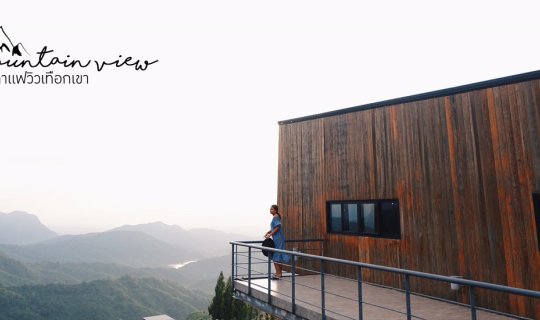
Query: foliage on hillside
x,y
201,315
224,307
14,273
125,298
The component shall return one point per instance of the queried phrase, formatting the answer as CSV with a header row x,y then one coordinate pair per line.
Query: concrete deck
x,y
308,301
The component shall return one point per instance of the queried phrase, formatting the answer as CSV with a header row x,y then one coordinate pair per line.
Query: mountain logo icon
x,y
6,45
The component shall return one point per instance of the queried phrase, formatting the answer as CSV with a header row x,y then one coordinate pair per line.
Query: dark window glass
x,y
344,218
353,217
536,203
368,217
389,216
378,218
335,217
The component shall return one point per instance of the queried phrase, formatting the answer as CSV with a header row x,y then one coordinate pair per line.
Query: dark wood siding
x,y
464,168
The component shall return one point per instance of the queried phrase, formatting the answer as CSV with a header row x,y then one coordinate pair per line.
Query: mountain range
x,y
22,228
206,242
120,273
35,255
127,248
25,238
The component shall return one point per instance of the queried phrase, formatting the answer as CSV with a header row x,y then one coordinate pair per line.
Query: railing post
x,y
472,299
323,302
236,261
249,270
360,303
269,278
293,293
232,266
408,296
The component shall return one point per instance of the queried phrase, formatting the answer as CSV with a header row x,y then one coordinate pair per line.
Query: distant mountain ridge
x,y
135,249
22,228
206,242
153,245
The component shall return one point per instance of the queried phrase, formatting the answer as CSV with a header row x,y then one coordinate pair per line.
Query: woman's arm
x,y
272,232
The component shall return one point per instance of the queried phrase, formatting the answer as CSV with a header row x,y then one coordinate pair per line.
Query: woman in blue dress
x,y
279,240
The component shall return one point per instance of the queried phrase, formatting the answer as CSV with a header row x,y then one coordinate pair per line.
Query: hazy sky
x,y
193,140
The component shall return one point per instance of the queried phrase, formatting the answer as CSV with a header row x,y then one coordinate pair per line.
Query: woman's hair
x,y
275,207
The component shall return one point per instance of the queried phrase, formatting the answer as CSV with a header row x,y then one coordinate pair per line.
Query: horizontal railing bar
x,y
256,273
466,282
299,240
259,251
240,267
242,253
252,271
339,314
306,286
259,262
258,285
254,276
245,276
309,303
258,259
385,308
343,278
253,263
338,295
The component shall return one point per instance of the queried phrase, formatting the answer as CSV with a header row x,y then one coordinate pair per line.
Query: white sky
x,y
193,140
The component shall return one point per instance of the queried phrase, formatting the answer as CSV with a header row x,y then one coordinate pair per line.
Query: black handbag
x,y
269,243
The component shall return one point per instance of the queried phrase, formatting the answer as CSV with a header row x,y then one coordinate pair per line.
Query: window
x,y
536,203
377,218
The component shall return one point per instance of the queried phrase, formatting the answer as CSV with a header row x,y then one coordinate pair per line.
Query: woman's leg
x,y
278,269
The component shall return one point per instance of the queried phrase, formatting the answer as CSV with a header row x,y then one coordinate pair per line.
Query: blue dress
x,y
279,241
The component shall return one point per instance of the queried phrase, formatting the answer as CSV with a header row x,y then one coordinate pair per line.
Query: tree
x,y
228,306
225,307
215,307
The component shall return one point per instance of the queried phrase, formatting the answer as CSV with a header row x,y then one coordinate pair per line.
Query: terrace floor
x,y
341,300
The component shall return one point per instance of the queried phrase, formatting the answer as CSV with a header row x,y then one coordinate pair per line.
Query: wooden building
x,y
446,182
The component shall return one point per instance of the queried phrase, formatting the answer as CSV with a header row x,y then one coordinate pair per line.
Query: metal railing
x,y
254,247
301,246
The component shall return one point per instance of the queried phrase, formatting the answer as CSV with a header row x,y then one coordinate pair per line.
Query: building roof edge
x,y
533,75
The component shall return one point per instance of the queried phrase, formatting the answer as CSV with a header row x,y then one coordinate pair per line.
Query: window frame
x,y
360,218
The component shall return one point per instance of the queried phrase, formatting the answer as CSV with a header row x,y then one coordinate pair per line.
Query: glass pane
x,y
390,218
335,217
368,210
353,217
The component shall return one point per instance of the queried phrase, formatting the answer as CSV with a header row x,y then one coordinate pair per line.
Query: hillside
x,y
15,273
22,228
125,298
206,242
199,276
202,275
135,249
